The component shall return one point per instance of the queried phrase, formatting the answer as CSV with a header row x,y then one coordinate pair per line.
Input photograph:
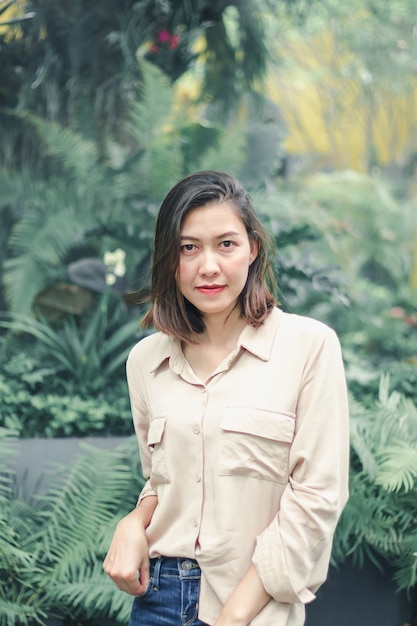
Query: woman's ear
x,y
254,247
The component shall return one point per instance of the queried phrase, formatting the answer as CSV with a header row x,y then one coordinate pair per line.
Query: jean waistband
x,y
173,566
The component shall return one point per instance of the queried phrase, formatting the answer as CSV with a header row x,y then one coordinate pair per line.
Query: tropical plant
x,y
380,518
53,547
36,401
16,563
81,206
56,219
81,65
361,240
89,355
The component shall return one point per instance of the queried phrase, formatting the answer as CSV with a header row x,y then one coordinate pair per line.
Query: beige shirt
x,y
251,466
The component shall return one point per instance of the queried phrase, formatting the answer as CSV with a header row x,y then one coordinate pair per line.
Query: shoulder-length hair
x,y
170,312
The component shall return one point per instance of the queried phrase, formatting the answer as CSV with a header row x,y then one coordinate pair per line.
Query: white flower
x,y
110,279
115,262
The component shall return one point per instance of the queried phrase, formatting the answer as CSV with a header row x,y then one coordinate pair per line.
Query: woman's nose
x,y
209,264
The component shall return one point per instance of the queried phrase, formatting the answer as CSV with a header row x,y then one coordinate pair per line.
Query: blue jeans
x,y
171,598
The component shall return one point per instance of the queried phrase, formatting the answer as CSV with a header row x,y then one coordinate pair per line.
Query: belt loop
x,y
156,571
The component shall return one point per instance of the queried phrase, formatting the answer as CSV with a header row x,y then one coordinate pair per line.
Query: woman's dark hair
x,y
170,312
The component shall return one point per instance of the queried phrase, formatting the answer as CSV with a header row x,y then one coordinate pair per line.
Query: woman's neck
x,y
218,340
220,331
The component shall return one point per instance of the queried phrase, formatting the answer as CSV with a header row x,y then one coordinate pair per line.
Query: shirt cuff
x,y
273,572
146,491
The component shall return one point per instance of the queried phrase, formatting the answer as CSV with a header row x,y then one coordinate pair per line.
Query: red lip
x,y
210,289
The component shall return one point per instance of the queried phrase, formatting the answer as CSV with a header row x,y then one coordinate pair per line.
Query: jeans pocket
x,y
150,587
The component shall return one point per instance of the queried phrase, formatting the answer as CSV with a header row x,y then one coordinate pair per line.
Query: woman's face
x,y
215,256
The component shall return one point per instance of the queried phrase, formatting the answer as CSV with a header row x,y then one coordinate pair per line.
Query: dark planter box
x,y
359,597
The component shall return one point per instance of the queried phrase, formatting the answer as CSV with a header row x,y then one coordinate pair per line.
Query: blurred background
x,y
312,104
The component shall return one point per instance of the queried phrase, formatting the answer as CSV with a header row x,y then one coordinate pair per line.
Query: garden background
x,y
103,106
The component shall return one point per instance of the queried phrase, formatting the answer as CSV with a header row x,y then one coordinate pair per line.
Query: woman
x,y
240,412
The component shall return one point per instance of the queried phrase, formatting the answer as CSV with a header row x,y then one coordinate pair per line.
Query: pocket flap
x,y
260,423
156,430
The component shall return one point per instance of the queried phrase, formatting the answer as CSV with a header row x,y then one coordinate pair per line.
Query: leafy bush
x,y
36,400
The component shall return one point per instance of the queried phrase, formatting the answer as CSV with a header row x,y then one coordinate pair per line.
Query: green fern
x,y
50,226
52,550
93,594
17,564
397,467
380,518
79,156
151,125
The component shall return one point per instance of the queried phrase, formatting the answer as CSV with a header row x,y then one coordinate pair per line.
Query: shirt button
x,y
196,430
203,390
197,478
195,523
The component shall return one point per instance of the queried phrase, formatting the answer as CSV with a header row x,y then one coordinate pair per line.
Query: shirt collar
x,y
257,341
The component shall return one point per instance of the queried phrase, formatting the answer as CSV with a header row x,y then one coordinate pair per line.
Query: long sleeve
x,y
137,391
292,554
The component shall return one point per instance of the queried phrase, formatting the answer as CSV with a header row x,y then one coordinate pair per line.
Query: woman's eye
x,y
188,247
227,244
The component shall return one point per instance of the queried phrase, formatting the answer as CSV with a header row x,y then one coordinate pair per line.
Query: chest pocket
x,y
156,443
256,443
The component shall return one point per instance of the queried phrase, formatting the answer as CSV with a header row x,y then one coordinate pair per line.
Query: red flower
x,y
164,36
174,42
397,312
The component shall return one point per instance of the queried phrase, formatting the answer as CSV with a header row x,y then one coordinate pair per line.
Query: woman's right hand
x,y
127,560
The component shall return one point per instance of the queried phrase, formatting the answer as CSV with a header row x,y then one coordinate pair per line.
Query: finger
x,y
144,575
130,585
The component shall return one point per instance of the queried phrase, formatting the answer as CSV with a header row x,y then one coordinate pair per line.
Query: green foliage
x,y
380,518
39,398
76,201
89,355
82,173
82,65
52,549
17,565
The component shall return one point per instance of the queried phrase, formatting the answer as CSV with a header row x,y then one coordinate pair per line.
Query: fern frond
x,y
397,467
78,155
361,423
151,125
13,613
150,116
406,564
39,242
82,503
91,589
